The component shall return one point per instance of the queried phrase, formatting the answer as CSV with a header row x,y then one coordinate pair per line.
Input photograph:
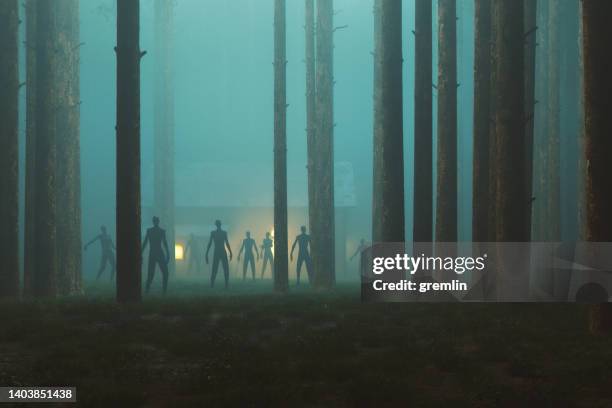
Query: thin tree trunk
x,y
512,206
581,137
388,194
309,28
597,31
164,121
29,261
530,10
68,150
9,173
281,261
423,124
492,131
553,198
45,251
482,119
323,236
446,209
128,151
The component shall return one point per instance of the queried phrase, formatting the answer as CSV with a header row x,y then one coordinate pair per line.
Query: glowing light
x,y
179,252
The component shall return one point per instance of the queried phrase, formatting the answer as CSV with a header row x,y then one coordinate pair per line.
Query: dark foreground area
x,y
249,348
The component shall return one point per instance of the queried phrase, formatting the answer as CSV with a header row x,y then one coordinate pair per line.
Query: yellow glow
x,y
272,237
179,252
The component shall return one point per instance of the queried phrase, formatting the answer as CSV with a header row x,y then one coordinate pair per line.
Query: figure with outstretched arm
x,y
303,241
359,251
219,238
248,244
195,260
108,255
266,253
156,238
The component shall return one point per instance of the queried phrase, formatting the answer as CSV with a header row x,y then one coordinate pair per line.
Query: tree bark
x,y
323,235
482,120
164,121
68,150
29,259
9,118
423,124
45,251
446,209
597,31
388,192
309,29
128,151
512,205
530,11
281,261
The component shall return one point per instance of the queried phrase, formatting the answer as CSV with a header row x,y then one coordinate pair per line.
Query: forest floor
x,y
246,347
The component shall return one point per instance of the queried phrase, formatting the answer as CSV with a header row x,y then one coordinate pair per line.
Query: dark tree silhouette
x,y
323,231
597,31
309,28
9,173
482,119
446,209
129,257
423,124
163,128
68,183
281,259
45,247
388,194
531,7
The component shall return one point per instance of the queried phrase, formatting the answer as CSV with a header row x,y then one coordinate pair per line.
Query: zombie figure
x,y
108,254
219,237
195,260
266,250
248,244
303,241
157,238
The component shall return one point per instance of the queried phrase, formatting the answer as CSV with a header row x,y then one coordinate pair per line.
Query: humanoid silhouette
x,y
219,237
157,238
248,244
108,256
195,260
266,250
302,240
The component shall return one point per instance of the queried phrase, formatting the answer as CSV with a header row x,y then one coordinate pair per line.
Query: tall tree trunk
x,y
482,119
553,198
128,151
597,31
530,10
29,259
388,194
68,150
164,121
281,261
581,182
309,29
45,251
446,209
9,173
493,168
423,124
323,235
512,206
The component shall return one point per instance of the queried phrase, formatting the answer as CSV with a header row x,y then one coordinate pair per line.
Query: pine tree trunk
x,y
128,151
482,119
530,10
597,31
9,173
309,29
281,261
29,262
423,124
323,235
164,121
388,194
44,280
553,198
446,209
581,137
512,206
68,183
492,236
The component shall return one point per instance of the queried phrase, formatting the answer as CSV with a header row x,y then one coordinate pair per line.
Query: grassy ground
x,y
246,347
